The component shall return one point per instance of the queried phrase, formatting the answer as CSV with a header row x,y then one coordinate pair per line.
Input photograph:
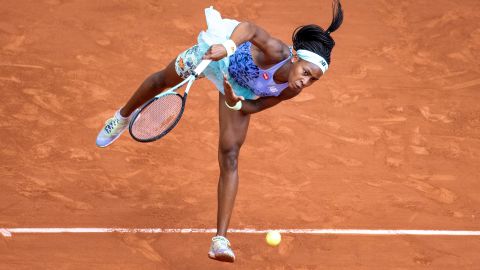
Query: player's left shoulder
x,y
277,50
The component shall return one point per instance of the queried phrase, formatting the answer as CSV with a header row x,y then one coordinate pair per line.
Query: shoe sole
x,y
222,258
103,146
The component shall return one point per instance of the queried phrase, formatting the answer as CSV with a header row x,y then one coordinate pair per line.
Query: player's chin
x,y
293,85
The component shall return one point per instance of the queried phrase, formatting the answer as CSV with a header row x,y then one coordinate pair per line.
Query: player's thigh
x,y
181,67
186,62
233,127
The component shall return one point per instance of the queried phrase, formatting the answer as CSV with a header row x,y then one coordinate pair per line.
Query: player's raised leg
x,y
233,131
178,69
152,86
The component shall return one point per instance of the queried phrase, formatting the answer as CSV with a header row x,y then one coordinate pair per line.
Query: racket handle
x,y
201,67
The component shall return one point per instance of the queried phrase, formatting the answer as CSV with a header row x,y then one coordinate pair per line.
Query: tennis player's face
x,y
303,74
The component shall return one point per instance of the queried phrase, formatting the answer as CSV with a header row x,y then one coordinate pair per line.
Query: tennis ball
x,y
273,238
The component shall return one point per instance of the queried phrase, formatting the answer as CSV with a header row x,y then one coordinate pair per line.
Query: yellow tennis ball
x,y
273,238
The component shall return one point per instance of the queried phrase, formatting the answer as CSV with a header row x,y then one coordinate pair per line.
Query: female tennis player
x,y
253,71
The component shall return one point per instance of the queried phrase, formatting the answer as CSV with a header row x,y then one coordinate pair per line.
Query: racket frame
x,y
172,91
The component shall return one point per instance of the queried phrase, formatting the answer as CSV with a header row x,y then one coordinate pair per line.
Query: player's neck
x,y
281,75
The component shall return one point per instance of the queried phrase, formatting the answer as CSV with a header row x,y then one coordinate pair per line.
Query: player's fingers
x,y
227,85
229,93
216,52
226,82
208,54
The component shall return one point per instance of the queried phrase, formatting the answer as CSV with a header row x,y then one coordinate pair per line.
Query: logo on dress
x,y
265,76
273,89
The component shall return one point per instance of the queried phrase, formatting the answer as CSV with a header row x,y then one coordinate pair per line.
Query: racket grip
x,y
201,67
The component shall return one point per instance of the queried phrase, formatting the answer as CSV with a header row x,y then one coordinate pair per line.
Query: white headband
x,y
314,59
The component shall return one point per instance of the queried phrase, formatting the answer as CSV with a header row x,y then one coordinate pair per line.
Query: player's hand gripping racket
x,y
161,114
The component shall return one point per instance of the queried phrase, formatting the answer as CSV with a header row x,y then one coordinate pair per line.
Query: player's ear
x,y
294,58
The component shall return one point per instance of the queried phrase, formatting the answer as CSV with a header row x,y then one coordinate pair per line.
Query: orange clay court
x,y
388,139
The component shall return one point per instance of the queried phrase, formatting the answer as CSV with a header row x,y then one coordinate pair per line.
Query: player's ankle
x,y
121,116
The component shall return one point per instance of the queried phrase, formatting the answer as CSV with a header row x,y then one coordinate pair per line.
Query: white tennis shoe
x,y
220,250
113,128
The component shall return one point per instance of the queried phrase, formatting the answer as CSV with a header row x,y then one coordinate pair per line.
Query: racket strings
x,y
158,117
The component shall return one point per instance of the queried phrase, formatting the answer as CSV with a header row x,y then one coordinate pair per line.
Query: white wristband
x,y
230,46
237,107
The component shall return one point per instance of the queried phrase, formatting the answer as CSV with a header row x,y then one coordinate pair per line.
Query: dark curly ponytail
x,y
313,38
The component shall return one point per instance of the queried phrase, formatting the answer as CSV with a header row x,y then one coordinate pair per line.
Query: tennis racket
x,y
158,116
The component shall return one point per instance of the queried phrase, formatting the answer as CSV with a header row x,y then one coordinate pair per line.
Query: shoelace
x,y
112,124
219,242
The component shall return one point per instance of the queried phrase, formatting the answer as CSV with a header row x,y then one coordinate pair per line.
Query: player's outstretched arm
x,y
263,103
257,105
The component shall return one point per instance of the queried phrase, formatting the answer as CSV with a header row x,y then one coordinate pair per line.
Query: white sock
x,y
120,117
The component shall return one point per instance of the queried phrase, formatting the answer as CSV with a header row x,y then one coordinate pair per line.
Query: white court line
x,y
21,65
7,232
